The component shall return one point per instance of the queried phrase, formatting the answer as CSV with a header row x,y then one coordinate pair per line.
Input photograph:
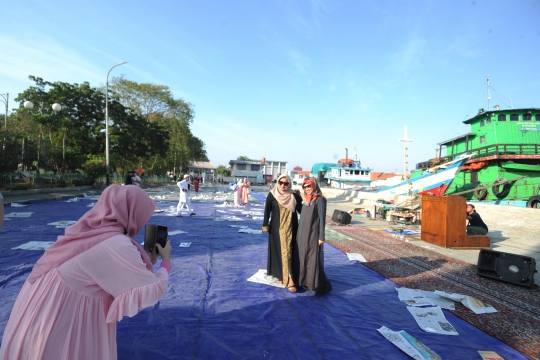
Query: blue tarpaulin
x,y
211,311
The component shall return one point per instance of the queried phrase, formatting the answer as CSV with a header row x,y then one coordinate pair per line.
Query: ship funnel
x,y
497,107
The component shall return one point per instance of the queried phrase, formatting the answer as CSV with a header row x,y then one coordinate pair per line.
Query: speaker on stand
x,y
515,269
341,217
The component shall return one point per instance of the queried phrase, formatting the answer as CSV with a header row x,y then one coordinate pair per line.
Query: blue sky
x,y
293,80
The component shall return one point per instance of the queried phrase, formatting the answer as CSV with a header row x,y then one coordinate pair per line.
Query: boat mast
x,y
489,95
406,160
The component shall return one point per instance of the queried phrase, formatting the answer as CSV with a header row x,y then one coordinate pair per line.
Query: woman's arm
x,y
298,202
116,266
267,211
321,208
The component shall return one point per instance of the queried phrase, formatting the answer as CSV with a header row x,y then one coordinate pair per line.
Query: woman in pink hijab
x,y
88,280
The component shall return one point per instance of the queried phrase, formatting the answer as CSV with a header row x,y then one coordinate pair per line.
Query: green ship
x,y
505,167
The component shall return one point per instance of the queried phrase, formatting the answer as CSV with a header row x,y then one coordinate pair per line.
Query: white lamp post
x,y
107,120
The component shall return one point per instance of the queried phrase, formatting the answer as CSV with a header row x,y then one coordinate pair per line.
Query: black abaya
x,y
311,254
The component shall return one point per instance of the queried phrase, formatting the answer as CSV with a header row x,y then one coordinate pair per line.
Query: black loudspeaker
x,y
515,269
341,217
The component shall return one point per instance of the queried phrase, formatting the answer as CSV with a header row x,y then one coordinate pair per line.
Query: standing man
x,y
184,197
129,176
476,225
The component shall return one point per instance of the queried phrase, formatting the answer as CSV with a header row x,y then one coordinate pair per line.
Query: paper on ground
x,y
258,218
356,256
413,297
186,244
477,306
239,226
72,200
228,218
408,344
18,205
432,320
250,231
261,278
62,223
490,355
35,245
176,232
18,214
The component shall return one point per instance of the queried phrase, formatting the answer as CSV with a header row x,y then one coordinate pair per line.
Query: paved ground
x,y
512,229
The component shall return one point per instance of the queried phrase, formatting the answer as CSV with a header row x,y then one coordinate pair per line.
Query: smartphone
x,y
155,234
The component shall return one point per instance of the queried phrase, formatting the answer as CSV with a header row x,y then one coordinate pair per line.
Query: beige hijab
x,y
286,198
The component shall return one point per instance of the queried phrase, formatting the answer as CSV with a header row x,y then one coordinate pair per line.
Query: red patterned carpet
x,y
517,322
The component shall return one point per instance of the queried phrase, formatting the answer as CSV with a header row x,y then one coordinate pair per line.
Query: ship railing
x,y
498,150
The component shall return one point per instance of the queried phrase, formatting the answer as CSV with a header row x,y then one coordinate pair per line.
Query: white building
x,y
252,168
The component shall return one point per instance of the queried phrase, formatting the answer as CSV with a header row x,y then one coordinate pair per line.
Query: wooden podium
x,y
444,221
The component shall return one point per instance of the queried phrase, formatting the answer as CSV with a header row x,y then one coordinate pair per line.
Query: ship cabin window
x,y
514,117
501,117
481,123
482,139
527,117
537,117
488,121
356,172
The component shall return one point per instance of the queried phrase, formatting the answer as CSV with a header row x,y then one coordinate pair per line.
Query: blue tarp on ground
x,y
211,312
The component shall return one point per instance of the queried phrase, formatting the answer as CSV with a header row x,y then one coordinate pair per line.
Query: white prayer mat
x,y
62,223
18,214
35,245
356,256
250,231
239,226
261,278
186,244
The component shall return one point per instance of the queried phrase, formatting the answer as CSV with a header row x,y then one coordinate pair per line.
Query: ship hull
x,y
434,182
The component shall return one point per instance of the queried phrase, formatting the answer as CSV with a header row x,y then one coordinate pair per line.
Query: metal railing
x,y
29,180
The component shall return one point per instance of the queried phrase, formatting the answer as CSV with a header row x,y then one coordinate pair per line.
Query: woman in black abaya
x,y
310,240
282,203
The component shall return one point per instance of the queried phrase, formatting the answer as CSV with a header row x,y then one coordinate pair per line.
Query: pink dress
x,y
245,194
71,311
239,189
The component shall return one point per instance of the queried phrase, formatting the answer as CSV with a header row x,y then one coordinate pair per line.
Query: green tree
x,y
223,171
156,104
244,158
64,140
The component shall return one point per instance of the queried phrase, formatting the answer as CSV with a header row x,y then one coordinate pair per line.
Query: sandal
x,y
292,288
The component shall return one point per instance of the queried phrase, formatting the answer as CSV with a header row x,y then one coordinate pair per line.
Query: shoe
x,y
191,214
292,288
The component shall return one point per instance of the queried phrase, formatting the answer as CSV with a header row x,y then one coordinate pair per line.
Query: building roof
x,y
254,162
485,113
379,175
201,165
471,134
297,168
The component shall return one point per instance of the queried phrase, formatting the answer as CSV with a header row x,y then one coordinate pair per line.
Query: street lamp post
x,y
5,101
107,121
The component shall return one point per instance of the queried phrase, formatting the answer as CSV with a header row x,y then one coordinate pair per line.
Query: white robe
x,y
184,198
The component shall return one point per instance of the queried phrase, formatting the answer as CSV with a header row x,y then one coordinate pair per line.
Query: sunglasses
x,y
283,183
306,186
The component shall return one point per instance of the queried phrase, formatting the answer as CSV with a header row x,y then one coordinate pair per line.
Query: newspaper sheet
x,y
185,244
408,344
261,278
356,257
413,297
35,245
432,320
477,306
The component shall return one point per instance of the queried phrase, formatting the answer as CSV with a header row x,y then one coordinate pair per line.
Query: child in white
x,y
184,197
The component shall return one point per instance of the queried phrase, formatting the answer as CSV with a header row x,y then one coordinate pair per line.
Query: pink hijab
x,y
120,210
